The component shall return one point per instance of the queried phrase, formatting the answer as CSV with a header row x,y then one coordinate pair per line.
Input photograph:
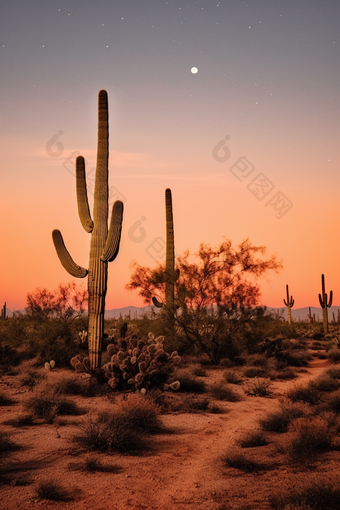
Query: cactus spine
x,y
289,303
104,242
324,303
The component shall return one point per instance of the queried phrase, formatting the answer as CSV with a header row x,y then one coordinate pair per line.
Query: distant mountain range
x,y
135,312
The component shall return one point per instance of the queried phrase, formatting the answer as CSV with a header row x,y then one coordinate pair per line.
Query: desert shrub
x,y
222,391
6,444
333,403
52,490
198,371
192,404
110,431
258,387
279,420
140,411
334,355
324,382
5,400
93,464
31,378
232,377
239,461
286,374
307,394
48,403
70,385
319,494
333,372
309,436
254,372
253,439
295,358
189,383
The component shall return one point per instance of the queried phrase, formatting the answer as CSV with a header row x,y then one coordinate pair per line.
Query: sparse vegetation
x,y
278,421
52,490
239,460
253,439
318,494
259,387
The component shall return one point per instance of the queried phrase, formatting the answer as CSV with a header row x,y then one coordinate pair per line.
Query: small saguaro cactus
x,y
289,303
3,312
104,242
324,303
310,316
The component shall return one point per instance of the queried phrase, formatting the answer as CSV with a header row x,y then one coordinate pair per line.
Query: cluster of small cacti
x,y
136,364
50,365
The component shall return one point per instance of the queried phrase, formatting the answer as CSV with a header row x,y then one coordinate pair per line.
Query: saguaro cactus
x,y
170,274
3,312
289,303
310,316
104,243
325,304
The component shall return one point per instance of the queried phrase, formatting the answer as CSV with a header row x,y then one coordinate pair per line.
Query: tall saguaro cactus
x,y
324,303
289,303
170,274
104,244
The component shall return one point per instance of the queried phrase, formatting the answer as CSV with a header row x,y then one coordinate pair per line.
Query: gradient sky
x,y
268,77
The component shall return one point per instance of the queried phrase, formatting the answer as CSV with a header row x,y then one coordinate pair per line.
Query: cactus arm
x,y
321,302
65,258
330,298
112,242
157,303
286,304
83,204
292,301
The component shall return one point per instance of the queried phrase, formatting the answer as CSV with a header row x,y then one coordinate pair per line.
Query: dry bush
x,y
222,391
258,387
279,420
232,377
254,372
192,404
48,404
318,494
324,382
238,460
140,411
307,394
333,372
334,355
253,439
52,490
286,374
123,428
189,383
31,378
308,437
71,385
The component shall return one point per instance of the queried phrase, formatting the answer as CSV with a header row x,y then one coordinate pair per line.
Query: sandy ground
x,y
182,469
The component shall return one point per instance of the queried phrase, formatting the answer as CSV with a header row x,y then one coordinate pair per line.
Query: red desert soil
x,y
182,470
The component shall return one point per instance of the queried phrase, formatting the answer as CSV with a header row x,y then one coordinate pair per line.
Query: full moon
x,y
194,70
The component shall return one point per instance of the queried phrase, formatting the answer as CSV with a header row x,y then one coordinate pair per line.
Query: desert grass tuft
x,y
258,387
253,439
52,490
